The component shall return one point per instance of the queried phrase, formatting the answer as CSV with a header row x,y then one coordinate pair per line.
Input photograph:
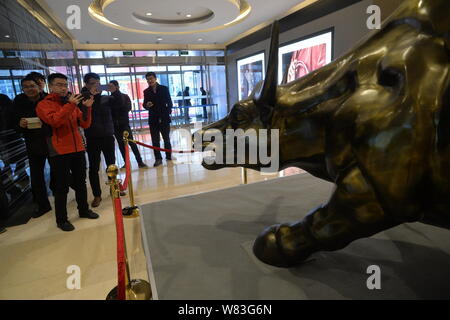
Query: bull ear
x,y
265,98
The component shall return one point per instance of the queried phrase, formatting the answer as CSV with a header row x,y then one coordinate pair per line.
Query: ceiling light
x,y
189,15
148,14
8,36
115,39
200,39
97,8
159,39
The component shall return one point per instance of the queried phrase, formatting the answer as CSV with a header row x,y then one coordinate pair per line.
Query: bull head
x,y
375,122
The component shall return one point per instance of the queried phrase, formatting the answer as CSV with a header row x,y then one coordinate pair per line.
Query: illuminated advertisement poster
x,y
300,58
250,72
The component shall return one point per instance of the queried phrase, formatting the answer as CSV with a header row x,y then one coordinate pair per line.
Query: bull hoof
x,y
283,245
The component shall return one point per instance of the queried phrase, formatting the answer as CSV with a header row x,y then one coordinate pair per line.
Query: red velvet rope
x,y
161,149
124,186
121,260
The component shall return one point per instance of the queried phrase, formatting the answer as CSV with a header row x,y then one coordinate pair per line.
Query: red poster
x,y
304,61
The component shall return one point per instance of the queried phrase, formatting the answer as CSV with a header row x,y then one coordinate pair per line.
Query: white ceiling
x,y
120,12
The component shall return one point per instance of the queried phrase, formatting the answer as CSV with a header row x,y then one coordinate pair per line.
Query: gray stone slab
x,y
200,247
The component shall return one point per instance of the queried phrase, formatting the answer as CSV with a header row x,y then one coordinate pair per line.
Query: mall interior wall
x,y
349,26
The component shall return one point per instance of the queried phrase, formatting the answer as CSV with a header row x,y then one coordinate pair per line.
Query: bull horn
x,y
265,99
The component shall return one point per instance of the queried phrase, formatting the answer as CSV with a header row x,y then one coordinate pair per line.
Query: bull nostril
x,y
390,77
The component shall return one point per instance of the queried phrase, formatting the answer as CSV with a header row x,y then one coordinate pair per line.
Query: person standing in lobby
x,y
187,103
24,112
121,106
40,80
158,102
204,102
61,112
100,135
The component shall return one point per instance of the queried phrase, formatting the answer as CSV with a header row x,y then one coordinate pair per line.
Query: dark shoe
x,y
96,202
142,165
158,162
66,226
2,230
123,193
124,166
40,212
89,215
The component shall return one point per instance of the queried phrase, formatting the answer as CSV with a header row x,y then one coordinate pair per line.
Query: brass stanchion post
x,y
244,175
132,211
135,289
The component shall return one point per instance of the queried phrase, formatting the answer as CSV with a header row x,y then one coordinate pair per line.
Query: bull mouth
x,y
209,162
212,162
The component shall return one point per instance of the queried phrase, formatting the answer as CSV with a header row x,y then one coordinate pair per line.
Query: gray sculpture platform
x,y
200,247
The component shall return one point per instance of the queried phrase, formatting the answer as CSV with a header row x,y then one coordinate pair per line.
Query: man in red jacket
x,y
60,111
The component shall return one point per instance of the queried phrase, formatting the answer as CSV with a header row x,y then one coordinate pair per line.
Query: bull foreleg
x,y
353,212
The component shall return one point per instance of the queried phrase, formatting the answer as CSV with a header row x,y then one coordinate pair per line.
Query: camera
x,y
86,95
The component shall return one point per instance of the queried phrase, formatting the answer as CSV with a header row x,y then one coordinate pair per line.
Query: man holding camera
x,y
100,135
121,107
60,111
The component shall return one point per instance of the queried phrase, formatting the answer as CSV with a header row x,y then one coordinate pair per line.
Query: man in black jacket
x,y
100,135
40,80
24,111
158,102
121,106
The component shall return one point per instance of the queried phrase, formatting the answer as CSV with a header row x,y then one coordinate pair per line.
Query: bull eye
x,y
238,117
390,77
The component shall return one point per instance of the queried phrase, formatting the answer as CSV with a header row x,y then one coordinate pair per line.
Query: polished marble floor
x,y
34,258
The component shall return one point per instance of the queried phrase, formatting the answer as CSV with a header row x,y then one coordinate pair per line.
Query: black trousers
x,y
38,185
155,130
118,133
96,146
65,166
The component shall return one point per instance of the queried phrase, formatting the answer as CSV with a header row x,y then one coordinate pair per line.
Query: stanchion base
x,y
137,290
130,212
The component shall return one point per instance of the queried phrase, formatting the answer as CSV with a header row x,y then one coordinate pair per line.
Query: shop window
x,y
90,54
100,69
151,69
117,70
31,54
120,54
191,53
140,54
168,53
218,53
59,54
23,73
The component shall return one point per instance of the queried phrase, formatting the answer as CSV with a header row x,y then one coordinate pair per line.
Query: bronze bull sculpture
x,y
376,122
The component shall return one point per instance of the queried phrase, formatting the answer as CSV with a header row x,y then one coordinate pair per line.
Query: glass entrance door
x,y
176,92
192,79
